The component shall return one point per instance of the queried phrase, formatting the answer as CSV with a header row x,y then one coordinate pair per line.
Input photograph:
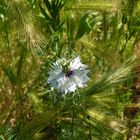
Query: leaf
x,y
44,13
83,27
22,58
31,1
10,74
87,22
36,103
39,122
12,137
48,5
135,27
1,137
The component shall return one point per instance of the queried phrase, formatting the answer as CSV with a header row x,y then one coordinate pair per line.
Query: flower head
x,y
68,75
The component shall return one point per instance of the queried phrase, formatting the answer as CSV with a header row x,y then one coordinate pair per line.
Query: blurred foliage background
x,y
106,35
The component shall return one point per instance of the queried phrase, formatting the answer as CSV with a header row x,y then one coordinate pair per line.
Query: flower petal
x,y
60,81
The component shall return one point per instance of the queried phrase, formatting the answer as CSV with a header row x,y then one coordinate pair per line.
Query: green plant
x,y
34,35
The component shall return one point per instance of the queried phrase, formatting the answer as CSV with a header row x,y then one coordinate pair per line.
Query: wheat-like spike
x,y
23,21
95,5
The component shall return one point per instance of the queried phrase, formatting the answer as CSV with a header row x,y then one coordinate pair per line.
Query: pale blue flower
x,y
68,75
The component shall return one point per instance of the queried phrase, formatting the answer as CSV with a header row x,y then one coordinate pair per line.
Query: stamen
x,y
69,73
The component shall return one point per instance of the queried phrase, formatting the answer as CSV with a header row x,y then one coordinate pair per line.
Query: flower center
x,y
69,73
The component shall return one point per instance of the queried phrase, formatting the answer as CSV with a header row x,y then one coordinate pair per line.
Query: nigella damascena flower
x,y
68,75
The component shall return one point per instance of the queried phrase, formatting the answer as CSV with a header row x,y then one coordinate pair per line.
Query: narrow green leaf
x,y
83,27
48,5
22,58
39,122
44,13
10,74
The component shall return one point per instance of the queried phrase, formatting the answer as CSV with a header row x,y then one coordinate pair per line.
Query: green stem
x,y
73,117
57,45
105,26
7,40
